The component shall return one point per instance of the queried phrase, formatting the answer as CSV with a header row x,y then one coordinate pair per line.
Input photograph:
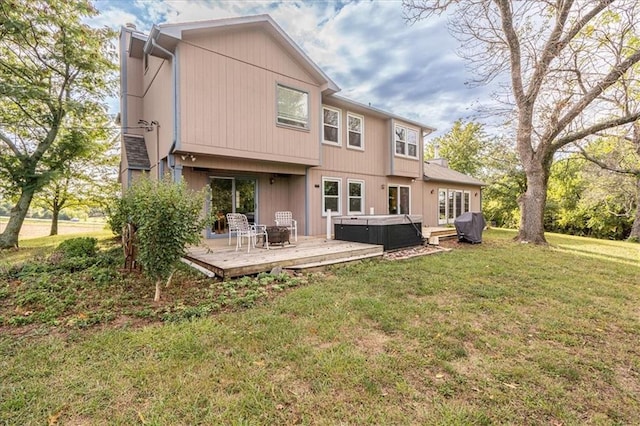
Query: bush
x,y
78,247
167,217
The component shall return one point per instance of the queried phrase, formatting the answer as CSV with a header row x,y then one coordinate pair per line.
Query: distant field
x,y
34,228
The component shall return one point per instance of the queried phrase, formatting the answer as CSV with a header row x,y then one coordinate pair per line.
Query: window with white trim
x,y
355,196
331,195
406,141
399,199
451,206
442,206
412,143
355,131
458,203
331,125
293,107
467,202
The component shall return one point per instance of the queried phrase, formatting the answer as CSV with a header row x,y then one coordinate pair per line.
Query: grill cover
x,y
469,227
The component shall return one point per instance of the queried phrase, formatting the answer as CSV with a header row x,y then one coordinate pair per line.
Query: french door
x,y
231,195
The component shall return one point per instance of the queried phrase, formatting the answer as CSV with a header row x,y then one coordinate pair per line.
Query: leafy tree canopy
x,y
55,73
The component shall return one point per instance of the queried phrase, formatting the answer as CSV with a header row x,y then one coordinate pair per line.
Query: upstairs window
x,y
412,143
355,126
406,142
331,125
293,107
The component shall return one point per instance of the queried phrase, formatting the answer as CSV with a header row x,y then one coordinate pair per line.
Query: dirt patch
x,y
410,252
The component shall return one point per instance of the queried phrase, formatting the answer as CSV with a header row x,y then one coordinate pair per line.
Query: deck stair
x,y
438,233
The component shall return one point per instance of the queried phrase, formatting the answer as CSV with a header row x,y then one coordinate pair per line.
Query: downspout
x,y
148,48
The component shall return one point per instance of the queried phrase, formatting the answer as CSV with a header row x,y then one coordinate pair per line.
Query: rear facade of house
x,y
237,106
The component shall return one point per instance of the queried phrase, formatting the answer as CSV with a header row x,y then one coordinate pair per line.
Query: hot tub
x,y
392,231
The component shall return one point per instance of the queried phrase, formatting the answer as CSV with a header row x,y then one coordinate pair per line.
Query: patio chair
x,y
285,219
250,232
232,220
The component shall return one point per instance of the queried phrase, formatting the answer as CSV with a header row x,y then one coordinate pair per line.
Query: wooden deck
x,y
222,259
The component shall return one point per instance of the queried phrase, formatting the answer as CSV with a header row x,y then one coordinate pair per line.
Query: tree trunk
x,y
156,298
9,238
635,228
532,204
54,219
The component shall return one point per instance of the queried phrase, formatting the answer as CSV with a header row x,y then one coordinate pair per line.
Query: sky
x,y
366,47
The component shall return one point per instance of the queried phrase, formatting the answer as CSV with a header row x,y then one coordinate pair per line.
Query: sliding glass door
x,y
231,195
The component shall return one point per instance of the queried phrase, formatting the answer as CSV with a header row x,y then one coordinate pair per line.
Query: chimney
x,y
436,151
440,162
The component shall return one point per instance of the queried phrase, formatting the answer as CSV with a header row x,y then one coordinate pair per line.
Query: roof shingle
x,y
136,151
436,172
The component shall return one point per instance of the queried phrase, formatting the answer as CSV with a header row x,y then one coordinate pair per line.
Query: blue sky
x,y
366,47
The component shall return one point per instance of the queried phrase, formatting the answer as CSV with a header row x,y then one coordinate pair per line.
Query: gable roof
x,y
136,151
167,36
438,173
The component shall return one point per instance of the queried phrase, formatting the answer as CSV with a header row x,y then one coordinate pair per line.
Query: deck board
x,y
226,262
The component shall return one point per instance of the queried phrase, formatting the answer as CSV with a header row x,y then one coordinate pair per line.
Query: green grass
x,y
496,333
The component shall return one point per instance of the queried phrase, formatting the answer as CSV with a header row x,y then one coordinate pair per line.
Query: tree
x,y
166,217
87,181
462,146
620,155
54,73
506,182
563,59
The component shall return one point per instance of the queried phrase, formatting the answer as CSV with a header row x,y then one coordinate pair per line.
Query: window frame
x,y
339,196
451,205
459,203
361,118
279,123
361,196
442,192
405,142
466,201
339,127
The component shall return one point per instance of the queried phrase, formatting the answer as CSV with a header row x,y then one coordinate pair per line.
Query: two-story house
x,y
236,105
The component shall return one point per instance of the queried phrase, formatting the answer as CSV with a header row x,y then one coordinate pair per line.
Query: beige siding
x,y
371,160
240,165
375,189
252,46
133,94
402,165
158,106
228,106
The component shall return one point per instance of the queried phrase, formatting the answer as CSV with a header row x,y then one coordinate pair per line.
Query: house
x,y
235,105
451,192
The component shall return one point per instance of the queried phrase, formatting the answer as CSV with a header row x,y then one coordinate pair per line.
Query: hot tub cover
x,y
469,227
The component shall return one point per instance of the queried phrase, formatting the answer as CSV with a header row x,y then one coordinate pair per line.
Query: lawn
x,y
496,333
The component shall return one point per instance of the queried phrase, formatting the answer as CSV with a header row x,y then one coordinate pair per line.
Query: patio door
x,y
231,195
399,199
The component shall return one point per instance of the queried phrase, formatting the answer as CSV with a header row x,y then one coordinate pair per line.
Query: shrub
x,y
167,217
78,247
